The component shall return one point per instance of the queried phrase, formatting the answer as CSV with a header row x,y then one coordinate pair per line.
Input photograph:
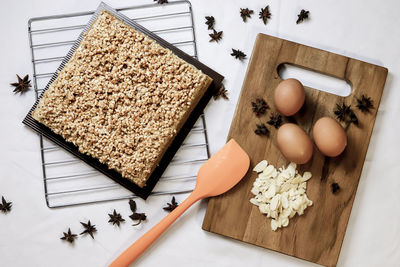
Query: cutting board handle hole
x,y
315,80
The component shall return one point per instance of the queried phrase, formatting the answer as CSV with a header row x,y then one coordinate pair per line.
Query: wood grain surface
x,y
317,235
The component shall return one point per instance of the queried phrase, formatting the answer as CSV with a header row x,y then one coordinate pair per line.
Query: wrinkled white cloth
x,y
29,235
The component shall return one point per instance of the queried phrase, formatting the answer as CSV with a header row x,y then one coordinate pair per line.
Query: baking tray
x,y
178,140
69,181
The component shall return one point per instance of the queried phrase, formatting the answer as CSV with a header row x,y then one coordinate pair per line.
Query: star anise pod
x,y
5,206
344,113
353,118
171,206
22,85
215,36
275,120
365,104
222,92
115,218
302,16
246,13
259,106
238,54
89,229
138,217
132,205
210,21
335,188
265,14
135,215
161,1
261,130
68,236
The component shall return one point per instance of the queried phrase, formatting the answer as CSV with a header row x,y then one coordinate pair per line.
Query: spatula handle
x,y
137,248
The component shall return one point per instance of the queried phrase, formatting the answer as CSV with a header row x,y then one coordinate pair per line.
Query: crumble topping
x,y
121,98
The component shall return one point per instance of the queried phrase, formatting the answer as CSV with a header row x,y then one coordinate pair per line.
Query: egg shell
x,y
329,137
289,97
294,143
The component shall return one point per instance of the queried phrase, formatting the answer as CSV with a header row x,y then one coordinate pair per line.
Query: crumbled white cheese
x,y
280,194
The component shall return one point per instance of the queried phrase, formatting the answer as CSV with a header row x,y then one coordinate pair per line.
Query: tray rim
x,y
145,191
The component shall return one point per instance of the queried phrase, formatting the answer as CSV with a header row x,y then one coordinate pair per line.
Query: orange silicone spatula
x,y
219,174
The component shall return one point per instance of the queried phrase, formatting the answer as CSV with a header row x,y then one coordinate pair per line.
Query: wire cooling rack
x,y
67,180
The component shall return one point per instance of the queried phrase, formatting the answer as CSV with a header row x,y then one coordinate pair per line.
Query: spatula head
x,y
223,170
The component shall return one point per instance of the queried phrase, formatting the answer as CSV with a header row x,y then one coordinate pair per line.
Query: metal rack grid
x,y
67,180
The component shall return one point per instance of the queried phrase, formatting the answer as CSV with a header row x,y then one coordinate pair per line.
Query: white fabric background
x,y
29,235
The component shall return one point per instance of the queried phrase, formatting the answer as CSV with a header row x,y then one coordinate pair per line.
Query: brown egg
x,y
294,143
329,136
289,97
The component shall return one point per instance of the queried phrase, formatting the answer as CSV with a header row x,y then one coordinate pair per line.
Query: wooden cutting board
x,y
317,235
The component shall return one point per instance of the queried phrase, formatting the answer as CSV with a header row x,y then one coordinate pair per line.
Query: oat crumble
x,y
121,98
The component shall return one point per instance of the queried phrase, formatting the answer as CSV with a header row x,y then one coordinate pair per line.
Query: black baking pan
x,y
145,191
